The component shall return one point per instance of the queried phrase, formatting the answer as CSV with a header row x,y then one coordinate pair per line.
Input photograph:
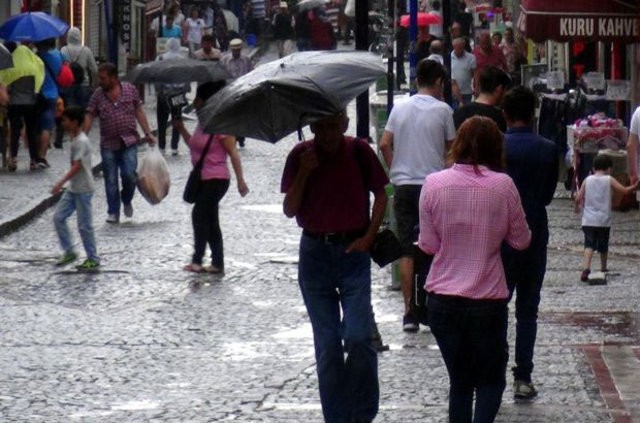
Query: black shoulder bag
x,y
194,182
386,247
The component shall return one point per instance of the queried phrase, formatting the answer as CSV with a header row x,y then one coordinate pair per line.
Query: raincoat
x,y
172,53
25,63
75,52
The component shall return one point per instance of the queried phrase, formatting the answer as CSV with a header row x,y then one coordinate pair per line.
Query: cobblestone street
x,y
145,341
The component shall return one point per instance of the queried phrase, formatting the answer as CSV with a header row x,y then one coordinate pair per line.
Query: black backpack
x,y
78,72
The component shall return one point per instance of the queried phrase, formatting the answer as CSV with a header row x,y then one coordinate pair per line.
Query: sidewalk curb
x,y
16,223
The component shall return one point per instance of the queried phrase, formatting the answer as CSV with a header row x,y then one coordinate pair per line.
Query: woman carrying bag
x,y
209,153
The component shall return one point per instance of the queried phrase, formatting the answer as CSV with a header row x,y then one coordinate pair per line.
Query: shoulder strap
x,y
363,173
204,153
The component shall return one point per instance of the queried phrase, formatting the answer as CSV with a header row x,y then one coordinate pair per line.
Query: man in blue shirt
x,y
170,29
532,163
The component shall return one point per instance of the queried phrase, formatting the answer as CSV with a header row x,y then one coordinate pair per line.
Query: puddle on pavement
x,y
267,208
136,406
609,323
297,333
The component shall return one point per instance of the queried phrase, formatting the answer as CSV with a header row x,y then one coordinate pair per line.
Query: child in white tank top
x,y
594,198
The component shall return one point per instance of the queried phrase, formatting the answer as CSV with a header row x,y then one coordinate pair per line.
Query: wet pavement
x,y
145,341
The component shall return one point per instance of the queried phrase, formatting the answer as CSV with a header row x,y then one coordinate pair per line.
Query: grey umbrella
x,y
175,71
6,60
279,97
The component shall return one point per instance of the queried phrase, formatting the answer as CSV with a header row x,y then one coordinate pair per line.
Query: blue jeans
x,y
330,279
125,159
81,203
472,336
525,272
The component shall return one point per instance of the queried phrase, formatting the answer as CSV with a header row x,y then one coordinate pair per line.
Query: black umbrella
x,y
176,71
6,59
282,96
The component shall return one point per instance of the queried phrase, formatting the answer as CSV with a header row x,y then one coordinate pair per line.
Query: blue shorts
x,y
596,238
47,119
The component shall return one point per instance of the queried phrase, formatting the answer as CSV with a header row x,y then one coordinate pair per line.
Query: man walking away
x,y
532,163
414,144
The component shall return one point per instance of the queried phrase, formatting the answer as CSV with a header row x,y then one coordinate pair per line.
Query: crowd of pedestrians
x,y
471,186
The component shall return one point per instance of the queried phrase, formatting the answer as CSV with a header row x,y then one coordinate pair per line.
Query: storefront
x,y
591,56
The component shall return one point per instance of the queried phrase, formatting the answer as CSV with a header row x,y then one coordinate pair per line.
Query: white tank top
x,y
597,201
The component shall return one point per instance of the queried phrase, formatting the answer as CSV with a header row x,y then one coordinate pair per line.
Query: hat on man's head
x,y
236,43
284,4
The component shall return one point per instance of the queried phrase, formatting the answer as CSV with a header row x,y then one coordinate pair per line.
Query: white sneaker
x,y
112,218
163,152
128,210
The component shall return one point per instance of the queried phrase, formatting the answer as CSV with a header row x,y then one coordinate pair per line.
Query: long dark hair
x,y
479,143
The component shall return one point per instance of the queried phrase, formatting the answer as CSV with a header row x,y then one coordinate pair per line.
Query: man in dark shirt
x,y
327,182
494,83
532,162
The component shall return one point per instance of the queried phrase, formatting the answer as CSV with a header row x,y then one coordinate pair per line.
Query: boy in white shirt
x,y
594,198
77,196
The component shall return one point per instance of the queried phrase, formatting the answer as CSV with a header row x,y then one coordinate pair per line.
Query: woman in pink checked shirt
x,y
466,212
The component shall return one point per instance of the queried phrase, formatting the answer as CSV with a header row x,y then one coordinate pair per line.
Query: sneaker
x,y
88,265
524,390
584,276
128,210
67,258
174,152
112,218
42,163
409,323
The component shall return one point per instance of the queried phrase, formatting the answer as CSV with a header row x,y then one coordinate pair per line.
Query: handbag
x,y
386,248
194,181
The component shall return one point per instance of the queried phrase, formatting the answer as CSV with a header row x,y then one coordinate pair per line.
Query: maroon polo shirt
x,y
336,193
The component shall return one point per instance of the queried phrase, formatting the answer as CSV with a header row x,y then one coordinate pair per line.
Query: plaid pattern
x,y
118,127
464,218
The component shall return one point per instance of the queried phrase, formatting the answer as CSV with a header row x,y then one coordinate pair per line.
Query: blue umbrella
x,y
32,26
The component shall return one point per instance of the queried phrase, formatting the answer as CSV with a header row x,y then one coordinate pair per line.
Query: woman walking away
x,y
215,182
466,212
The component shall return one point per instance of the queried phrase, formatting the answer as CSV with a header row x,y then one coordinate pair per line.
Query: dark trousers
x,y
525,272
162,113
19,113
206,223
472,336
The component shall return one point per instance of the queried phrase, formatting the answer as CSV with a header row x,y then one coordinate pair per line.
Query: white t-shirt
x,y
195,30
421,126
597,201
462,71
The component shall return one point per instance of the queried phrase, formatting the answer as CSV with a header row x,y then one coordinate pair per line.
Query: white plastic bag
x,y
153,176
350,9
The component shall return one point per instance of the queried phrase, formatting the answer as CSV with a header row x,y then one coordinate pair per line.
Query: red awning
x,y
566,20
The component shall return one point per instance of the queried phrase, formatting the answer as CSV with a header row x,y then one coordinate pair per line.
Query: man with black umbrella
x,y
327,182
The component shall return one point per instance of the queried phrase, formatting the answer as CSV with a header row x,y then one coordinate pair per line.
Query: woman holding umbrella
x,y
215,183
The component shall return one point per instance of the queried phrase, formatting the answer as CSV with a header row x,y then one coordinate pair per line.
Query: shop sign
x,y
600,27
594,81
125,23
618,90
555,80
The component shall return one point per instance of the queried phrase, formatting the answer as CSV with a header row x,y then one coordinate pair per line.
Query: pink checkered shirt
x,y
118,126
464,217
